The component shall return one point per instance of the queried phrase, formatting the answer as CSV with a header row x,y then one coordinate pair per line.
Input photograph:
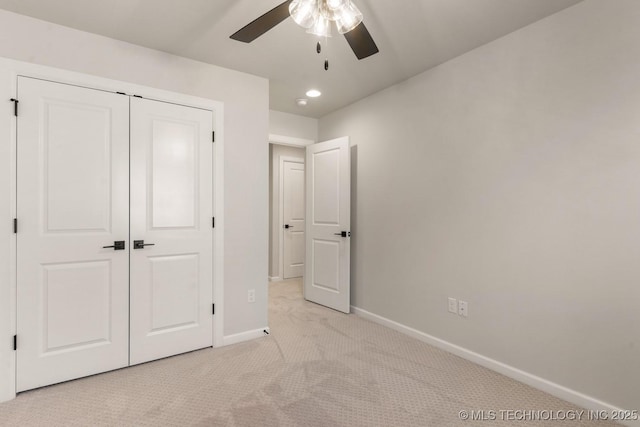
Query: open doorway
x,y
286,212
310,220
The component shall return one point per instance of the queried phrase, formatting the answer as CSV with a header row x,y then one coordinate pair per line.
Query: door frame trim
x,y
290,141
282,161
9,72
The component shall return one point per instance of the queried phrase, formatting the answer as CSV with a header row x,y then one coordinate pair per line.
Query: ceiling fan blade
x,y
361,41
264,23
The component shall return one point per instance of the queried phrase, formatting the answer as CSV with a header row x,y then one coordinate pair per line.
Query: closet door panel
x,y
73,199
171,211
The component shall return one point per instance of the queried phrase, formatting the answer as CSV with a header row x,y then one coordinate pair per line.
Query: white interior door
x,y
171,213
293,217
326,279
73,197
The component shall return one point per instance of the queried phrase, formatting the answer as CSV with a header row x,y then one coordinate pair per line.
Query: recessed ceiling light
x,y
301,102
313,93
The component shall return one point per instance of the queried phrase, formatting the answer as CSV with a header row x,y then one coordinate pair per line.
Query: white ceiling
x,y
412,35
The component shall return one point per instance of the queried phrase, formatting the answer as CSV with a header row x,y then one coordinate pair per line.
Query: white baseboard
x,y
244,336
275,279
534,381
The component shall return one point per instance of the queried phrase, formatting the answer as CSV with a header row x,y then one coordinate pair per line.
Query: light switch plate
x,y
453,305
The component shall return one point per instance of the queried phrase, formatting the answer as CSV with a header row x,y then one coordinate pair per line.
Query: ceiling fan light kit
x,y
304,13
350,18
317,15
321,28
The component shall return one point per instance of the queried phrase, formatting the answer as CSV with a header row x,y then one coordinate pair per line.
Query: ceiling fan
x,y
316,16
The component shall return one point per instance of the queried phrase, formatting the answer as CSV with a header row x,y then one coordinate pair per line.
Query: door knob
x,y
140,244
343,234
118,245
288,226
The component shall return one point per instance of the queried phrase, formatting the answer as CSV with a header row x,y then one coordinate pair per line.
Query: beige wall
x,y
509,177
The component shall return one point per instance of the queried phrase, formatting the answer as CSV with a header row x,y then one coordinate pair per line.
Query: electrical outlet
x,y
251,295
453,305
463,308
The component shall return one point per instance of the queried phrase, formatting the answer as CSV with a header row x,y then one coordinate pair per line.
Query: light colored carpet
x,y
317,368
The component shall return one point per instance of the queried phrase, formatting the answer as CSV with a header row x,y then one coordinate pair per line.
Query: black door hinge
x,y
15,342
213,222
15,225
213,309
15,106
213,136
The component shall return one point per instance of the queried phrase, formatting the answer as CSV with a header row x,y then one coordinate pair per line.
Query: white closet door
x,y
171,212
73,197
